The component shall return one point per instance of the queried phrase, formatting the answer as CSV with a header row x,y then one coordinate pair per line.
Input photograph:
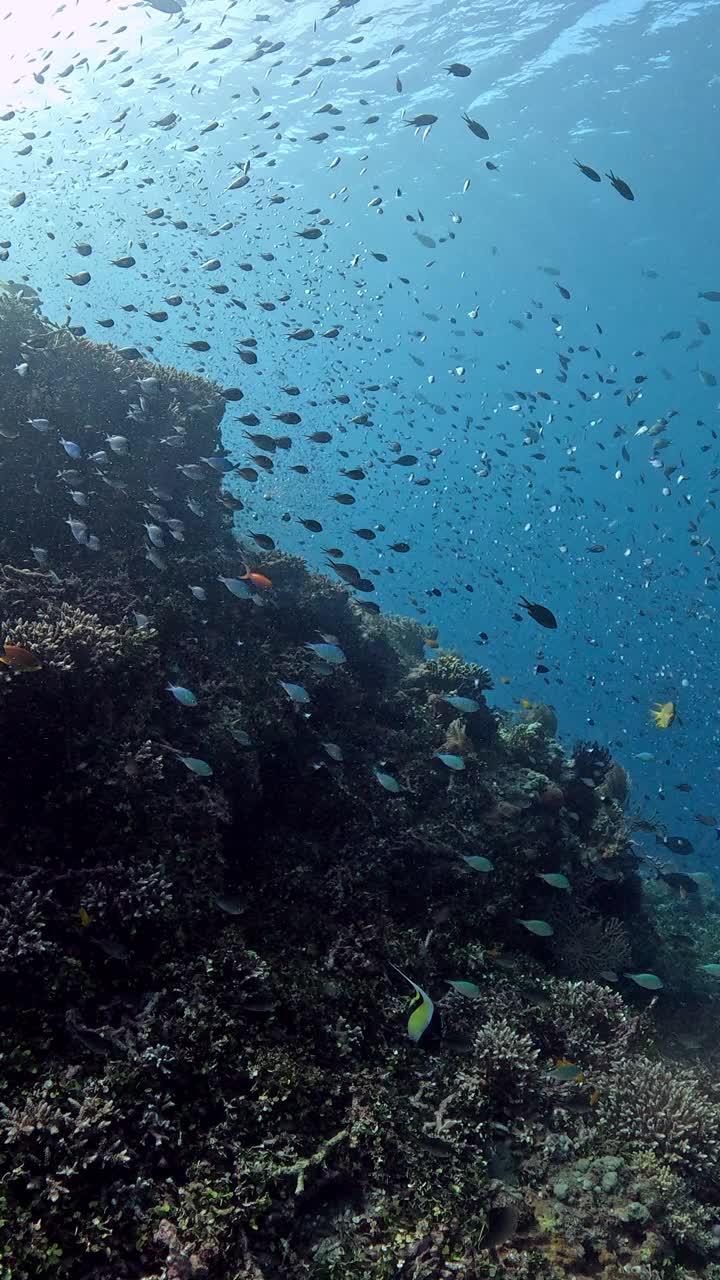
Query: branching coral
x,y
585,1022
648,1106
505,1063
24,927
67,638
128,897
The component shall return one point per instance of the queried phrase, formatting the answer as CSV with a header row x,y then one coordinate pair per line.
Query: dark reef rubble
x,y
204,1065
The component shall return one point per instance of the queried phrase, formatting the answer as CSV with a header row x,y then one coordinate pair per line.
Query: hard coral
x,y
587,944
650,1106
616,784
531,745
585,1022
67,638
406,636
505,1066
24,928
449,673
540,713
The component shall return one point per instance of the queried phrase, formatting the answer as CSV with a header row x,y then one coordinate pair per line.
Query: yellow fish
x,y
84,917
663,713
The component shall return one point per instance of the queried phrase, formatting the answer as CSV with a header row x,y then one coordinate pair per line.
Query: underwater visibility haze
x,y
359,442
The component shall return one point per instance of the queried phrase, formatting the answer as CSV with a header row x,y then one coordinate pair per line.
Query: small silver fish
x,y
78,529
155,558
118,444
155,534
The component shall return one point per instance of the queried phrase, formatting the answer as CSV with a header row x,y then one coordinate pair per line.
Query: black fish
x,y
475,127
685,885
539,613
459,69
621,187
592,174
676,844
423,121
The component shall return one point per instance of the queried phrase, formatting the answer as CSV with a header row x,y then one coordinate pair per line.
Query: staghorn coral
x,y
25,943
67,639
650,1106
585,1022
128,897
505,1064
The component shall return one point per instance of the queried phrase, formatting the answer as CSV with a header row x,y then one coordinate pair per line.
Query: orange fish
x,y
257,580
19,659
430,643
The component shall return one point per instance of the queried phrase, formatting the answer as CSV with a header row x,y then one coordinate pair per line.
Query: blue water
x,y
628,87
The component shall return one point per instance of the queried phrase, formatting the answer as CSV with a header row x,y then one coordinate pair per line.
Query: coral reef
x,y
205,1066
649,1106
449,673
68,638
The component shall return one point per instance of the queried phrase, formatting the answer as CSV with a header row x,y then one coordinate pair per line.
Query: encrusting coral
x,y
205,1069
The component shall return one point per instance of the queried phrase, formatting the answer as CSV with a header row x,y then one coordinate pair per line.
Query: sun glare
x,y
39,40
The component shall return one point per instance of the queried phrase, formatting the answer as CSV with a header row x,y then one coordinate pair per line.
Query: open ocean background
x,y
625,86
